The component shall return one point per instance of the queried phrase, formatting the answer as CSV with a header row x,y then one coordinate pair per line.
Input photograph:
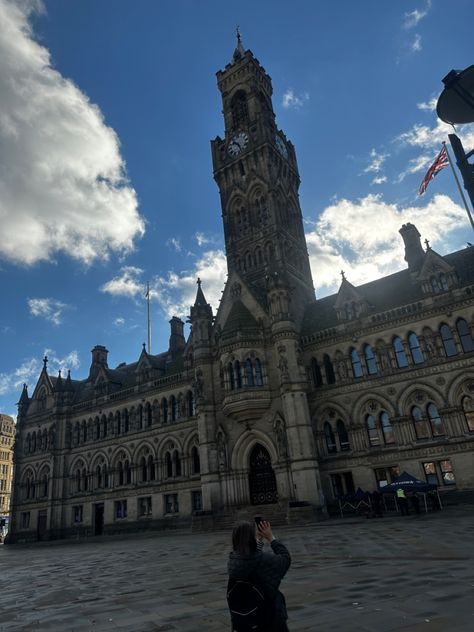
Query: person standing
x,y
415,501
402,501
255,603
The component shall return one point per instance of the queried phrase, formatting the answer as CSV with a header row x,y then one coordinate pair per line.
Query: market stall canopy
x,y
407,482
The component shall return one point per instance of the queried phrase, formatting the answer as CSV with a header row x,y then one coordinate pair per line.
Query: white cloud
x,y
174,243
415,165
431,137
343,238
292,100
428,106
64,186
416,44
202,239
128,283
412,18
379,180
48,308
376,162
30,369
119,321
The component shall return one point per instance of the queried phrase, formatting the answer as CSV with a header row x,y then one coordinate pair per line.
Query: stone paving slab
x,y
390,575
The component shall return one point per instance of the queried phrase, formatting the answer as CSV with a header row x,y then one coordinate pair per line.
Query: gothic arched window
x,y
443,281
176,463
249,372
164,410
387,428
400,354
422,428
329,369
356,364
435,285
238,374
330,439
448,341
230,371
195,460
370,360
258,373
168,465
465,337
126,421
239,109
190,404
468,409
436,423
372,430
144,469
316,373
415,349
151,468
148,415
342,436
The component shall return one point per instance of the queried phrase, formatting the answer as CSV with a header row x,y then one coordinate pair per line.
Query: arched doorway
x,y
262,482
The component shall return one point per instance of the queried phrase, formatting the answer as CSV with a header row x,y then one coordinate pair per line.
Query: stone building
x,y
279,398
7,436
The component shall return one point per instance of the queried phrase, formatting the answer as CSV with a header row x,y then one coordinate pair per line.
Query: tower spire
x,y
239,49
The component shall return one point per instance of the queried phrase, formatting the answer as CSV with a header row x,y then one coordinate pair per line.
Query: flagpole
x,y
148,314
461,192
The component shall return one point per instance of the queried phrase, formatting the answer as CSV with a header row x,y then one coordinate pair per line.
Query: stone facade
x,y
278,398
7,435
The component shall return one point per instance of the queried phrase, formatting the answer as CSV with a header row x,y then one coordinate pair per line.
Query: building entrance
x,y
99,519
262,482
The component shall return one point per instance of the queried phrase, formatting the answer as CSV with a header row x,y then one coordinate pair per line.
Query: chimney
x,y
414,253
99,358
177,341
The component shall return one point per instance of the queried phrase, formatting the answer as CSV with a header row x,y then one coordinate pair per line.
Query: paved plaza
x,y
391,574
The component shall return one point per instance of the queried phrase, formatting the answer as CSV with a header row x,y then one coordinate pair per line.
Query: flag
x,y
441,161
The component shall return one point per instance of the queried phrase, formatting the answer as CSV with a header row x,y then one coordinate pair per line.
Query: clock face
x,y
280,143
238,143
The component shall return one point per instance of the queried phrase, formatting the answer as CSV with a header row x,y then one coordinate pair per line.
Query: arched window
x,y
330,439
190,404
104,426
422,426
400,354
105,474
168,465
372,430
99,476
176,463
127,470
148,414
174,408
120,473
448,341
151,468
84,431
316,373
342,436
140,417
468,408
126,421
85,480
143,469
195,460
238,374
415,349
356,364
230,370
164,409
370,360
387,428
435,285
97,428
443,281
78,480
249,372
465,337
258,373
329,369
118,422
239,109
437,426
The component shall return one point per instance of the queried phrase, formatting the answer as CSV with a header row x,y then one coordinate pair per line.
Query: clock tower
x,y
257,174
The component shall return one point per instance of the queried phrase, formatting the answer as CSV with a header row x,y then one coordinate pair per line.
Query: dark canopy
x,y
407,482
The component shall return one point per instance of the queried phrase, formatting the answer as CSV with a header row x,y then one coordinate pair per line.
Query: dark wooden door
x,y
99,519
263,489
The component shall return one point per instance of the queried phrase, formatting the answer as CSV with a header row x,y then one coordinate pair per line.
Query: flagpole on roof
x,y
461,192
147,295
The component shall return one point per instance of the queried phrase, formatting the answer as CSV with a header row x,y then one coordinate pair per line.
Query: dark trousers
x,y
403,502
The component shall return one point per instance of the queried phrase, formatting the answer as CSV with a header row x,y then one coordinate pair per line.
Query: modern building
x,y
279,398
7,437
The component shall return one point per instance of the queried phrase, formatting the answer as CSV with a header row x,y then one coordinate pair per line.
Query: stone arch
x,y
458,388
166,446
145,447
407,398
99,457
323,413
362,405
243,446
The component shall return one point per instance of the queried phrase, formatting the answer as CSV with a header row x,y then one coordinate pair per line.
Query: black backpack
x,y
250,609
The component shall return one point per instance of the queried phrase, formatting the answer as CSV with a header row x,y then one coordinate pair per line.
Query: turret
x,y
414,253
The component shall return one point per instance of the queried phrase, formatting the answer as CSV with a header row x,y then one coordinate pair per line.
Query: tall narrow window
x,y
238,374
330,439
356,364
421,424
415,349
400,354
342,436
168,465
230,370
118,422
448,341
144,469
249,372
127,472
329,369
126,421
465,337
151,468
174,408
164,409
387,428
316,373
120,473
435,285
437,426
99,476
258,373
372,430
190,404
443,281
177,463
195,460
468,408
370,360
239,109
148,414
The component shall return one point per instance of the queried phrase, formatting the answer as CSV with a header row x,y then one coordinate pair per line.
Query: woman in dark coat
x,y
248,562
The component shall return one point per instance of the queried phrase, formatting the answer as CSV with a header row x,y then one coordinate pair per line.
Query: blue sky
x,y
105,166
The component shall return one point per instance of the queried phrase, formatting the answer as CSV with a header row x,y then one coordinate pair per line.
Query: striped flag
x,y
441,161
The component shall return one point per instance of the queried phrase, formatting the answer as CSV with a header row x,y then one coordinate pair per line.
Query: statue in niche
x,y
52,436
198,385
384,358
282,440
283,366
341,370
221,451
430,343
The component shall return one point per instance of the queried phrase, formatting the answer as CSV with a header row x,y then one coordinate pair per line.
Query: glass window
x,y
169,465
342,436
372,431
448,341
422,426
258,373
356,364
447,473
443,282
77,514
120,509
196,500
437,427
400,354
195,460
330,440
430,473
174,408
145,506
230,370
329,369
468,408
249,372
415,349
370,360
238,374
435,285
386,475
465,337
316,372
387,428
171,503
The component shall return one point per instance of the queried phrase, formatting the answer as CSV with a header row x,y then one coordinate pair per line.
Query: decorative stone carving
x,y
281,438
221,451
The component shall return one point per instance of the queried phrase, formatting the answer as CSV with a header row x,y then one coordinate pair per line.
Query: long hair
x,y
243,538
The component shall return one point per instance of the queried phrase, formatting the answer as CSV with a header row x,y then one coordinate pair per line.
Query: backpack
x,y
250,609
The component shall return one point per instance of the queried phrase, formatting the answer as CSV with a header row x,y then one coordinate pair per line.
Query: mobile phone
x,y
258,520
